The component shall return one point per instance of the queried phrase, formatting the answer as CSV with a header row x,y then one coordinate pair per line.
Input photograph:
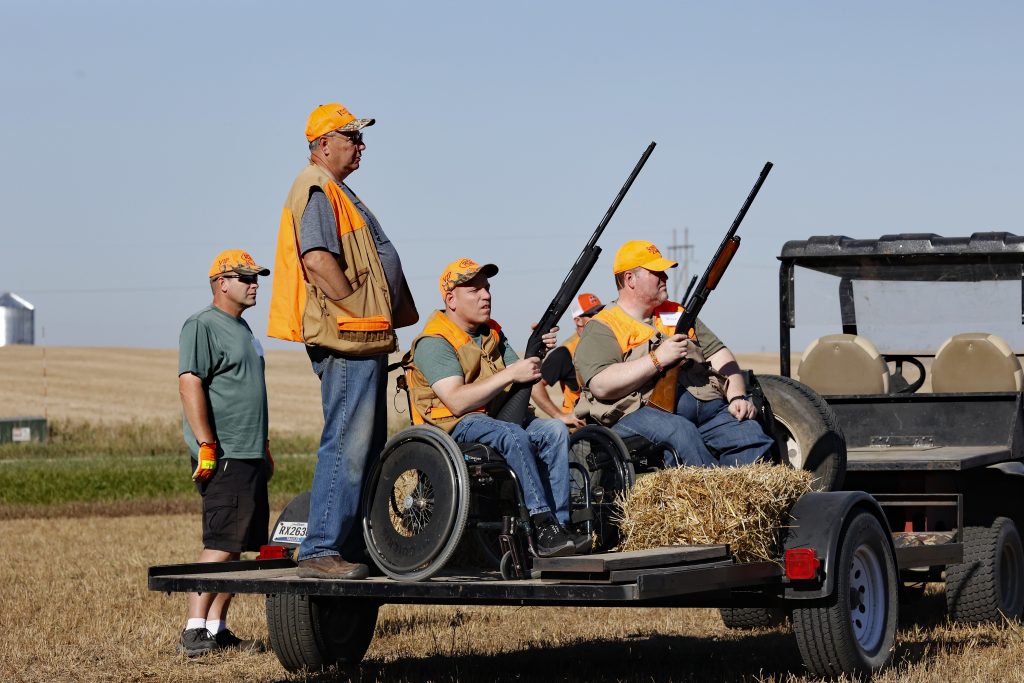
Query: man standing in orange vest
x,y
339,288
628,346
558,368
462,366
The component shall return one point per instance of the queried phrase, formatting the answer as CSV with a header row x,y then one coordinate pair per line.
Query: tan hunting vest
x,y
637,339
477,362
361,324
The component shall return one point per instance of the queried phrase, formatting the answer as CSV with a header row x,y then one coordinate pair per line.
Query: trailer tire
x,y
312,633
748,618
806,430
853,632
989,584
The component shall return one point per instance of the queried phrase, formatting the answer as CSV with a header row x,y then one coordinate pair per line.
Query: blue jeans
x,y
355,426
538,454
703,433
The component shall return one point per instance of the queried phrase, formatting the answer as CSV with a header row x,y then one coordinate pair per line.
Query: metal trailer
x,y
965,441
837,579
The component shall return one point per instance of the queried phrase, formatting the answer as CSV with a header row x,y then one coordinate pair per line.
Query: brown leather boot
x,y
331,567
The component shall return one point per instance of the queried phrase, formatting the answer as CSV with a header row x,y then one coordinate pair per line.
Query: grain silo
x,y
17,320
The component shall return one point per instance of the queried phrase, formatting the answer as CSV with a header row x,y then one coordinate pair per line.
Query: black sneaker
x,y
584,542
225,638
550,539
195,642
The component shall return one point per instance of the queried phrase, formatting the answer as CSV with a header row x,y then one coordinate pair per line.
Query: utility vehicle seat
x,y
844,364
976,361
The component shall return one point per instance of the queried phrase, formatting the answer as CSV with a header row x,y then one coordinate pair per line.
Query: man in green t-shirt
x,y
224,401
625,351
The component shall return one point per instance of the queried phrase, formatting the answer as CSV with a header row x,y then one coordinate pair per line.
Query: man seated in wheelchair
x,y
461,365
708,420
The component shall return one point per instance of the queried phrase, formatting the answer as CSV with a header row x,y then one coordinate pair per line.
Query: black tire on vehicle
x,y
312,633
415,503
748,618
989,584
853,632
807,431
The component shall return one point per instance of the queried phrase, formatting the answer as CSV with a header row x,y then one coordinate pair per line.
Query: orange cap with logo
x,y
586,305
640,254
236,261
329,117
463,270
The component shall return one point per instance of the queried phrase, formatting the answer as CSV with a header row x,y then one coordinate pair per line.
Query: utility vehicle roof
x,y
911,256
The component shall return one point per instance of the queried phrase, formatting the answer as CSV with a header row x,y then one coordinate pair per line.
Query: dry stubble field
x,y
74,605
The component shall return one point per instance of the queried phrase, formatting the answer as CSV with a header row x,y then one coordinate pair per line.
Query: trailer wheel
x,y
309,632
415,503
748,618
854,631
989,584
807,431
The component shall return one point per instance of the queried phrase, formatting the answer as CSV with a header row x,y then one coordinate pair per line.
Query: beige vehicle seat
x,y
839,364
976,361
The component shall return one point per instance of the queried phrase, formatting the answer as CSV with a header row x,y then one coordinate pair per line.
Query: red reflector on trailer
x,y
802,564
272,552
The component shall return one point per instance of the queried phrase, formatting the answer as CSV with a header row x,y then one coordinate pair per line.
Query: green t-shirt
x,y
221,350
598,347
436,358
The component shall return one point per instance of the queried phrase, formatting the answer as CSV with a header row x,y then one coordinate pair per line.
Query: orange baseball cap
x,y
640,254
463,270
587,305
236,261
328,117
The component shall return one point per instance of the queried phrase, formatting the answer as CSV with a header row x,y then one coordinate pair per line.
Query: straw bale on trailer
x,y
742,506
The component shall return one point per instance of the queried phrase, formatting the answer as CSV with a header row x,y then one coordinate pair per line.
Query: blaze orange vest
x,y
637,339
477,362
569,397
364,314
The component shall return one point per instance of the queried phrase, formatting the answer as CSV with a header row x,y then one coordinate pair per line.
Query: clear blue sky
x,y
139,139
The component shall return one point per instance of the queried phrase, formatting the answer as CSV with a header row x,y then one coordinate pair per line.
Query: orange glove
x,y
207,461
270,462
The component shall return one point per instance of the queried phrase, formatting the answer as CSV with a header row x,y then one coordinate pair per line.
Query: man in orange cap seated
x,y
558,368
339,288
462,365
629,345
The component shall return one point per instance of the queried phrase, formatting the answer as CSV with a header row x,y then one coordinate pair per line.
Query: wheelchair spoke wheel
x,y
415,504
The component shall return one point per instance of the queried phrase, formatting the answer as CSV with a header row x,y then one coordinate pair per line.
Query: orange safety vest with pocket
x,y
477,362
569,396
362,323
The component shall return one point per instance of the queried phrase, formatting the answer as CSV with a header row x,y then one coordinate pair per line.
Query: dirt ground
x,y
115,385
75,607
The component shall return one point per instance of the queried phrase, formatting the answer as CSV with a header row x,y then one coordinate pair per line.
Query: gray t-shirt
x,y
436,358
221,350
319,230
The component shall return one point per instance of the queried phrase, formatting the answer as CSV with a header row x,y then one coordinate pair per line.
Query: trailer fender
x,y
817,521
1013,468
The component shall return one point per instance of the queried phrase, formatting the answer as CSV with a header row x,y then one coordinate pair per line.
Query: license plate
x,y
289,532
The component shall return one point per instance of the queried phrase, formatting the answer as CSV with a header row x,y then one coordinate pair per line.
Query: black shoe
x,y
195,642
550,539
225,638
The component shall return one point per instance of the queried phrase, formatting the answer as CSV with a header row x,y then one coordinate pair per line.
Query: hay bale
x,y
742,506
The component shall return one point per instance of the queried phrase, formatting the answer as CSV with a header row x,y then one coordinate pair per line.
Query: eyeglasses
x,y
244,279
356,137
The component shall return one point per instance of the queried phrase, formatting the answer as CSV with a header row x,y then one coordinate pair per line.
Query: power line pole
x,y
682,253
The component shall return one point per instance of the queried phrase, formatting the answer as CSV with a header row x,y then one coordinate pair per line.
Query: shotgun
x,y
518,402
666,390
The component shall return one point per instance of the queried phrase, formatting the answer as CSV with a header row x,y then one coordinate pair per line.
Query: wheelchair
x,y
425,491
